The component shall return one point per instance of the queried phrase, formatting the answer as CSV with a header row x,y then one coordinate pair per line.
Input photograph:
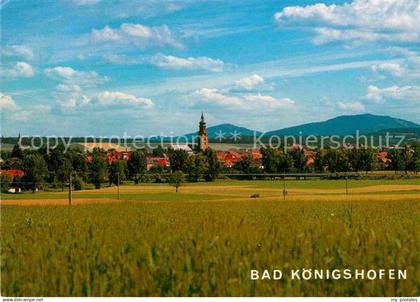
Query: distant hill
x,y
226,130
347,124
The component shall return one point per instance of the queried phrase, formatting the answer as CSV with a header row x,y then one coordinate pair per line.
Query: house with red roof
x,y
13,172
157,161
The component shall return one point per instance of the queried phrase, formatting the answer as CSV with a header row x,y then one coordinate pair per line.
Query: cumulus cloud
x,y
20,69
402,93
407,68
216,97
138,34
69,94
355,106
19,113
18,51
395,69
7,102
69,75
267,101
121,99
70,97
172,62
357,21
251,82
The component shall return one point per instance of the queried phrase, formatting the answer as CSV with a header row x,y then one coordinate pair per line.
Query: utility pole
x,y
70,188
118,185
284,186
347,187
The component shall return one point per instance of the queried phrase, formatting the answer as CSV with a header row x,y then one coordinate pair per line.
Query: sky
x,y
103,68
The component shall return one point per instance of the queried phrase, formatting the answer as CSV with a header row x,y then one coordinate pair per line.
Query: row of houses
x,y
228,158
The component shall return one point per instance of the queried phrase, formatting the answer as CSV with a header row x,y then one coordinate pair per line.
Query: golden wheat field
x,y
205,240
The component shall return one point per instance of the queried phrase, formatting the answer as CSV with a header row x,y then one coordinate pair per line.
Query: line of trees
x,y
336,160
53,168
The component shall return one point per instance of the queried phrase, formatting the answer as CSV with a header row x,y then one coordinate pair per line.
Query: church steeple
x,y
203,139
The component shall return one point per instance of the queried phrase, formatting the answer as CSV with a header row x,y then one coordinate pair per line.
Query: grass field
x,y
204,240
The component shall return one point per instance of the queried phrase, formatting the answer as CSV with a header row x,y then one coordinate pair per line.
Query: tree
x,y
284,163
117,172
299,160
319,162
367,158
214,166
136,165
355,160
77,182
35,169
159,151
5,182
414,163
59,165
244,165
196,167
77,159
13,163
396,160
97,169
176,179
335,160
17,150
269,159
178,160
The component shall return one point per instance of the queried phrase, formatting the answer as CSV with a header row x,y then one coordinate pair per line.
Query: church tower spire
x,y
203,139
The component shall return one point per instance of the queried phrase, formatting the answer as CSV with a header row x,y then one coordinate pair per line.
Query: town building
x,y
203,138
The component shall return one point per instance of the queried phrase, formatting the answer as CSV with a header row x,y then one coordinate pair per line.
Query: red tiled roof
x,y
13,172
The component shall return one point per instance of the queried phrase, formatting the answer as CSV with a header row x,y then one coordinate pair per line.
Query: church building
x,y
203,138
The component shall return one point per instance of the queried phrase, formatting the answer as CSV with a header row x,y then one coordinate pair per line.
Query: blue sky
x,y
97,67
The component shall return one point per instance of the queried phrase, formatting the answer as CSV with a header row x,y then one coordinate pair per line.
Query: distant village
x,y
109,163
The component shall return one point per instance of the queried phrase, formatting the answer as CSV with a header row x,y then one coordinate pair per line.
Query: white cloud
x,y
266,101
35,112
173,62
355,106
116,98
18,51
20,69
395,69
402,93
22,115
69,94
7,102
357,21
407,68
107,34
71,76
123,59
251,82
70,97
138,34
19,113
214,96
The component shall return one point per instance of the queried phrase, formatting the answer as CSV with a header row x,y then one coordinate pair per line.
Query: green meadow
x,y
204,240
